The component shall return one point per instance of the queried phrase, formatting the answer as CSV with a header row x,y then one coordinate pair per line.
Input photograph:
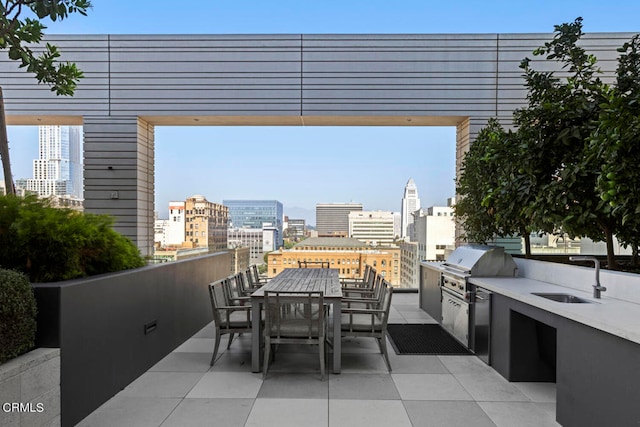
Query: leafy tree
x,y
493,191
554,131
21,24
476,183
616,145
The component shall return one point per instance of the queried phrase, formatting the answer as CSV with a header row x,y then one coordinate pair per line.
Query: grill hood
x,y
481,260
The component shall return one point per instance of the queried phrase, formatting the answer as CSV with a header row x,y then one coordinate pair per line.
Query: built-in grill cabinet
x,y
446,285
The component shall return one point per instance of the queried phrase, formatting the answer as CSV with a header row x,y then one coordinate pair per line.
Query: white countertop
x,y
607,314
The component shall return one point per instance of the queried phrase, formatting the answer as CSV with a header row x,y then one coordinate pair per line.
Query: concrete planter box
x,y
30,389
112,328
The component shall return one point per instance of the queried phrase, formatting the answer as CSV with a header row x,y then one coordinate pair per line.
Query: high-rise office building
x,y
332,219
58,169
255,214
374,228
410,204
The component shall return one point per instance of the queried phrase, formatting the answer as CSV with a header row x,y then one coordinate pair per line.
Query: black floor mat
x,y
424,339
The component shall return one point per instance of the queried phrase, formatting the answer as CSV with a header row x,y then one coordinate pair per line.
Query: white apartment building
x,y
375,228
175,228
410,204
434,232
160,227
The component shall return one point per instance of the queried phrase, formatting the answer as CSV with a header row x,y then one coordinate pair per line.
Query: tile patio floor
x,y
182,390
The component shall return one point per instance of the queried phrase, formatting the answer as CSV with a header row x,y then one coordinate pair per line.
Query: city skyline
x,y
369,165
232,164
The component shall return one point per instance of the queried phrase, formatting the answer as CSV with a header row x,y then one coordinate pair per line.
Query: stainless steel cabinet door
x,y
455,317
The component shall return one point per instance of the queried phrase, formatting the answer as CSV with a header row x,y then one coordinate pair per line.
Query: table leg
x,y
255,335
337,337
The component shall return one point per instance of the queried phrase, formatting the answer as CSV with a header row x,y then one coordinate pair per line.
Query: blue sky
x,y
276,162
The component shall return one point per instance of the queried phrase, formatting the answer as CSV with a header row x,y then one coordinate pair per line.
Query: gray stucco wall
x,y
148,80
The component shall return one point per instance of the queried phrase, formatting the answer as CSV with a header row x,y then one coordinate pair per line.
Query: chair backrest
x,y
291,315
378,287
251,279
367,273
313,264
256,273
372,278
218,296
231,291
241,285
385,302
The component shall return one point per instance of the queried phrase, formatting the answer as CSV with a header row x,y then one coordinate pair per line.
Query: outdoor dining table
x,y
325,280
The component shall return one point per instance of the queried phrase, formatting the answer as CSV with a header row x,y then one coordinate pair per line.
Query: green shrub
x,y
51,244
17,315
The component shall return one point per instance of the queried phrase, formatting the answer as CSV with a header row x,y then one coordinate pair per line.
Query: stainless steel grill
x,y
479,261
458,296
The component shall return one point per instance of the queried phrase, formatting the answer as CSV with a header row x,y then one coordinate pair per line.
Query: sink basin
x,y
565,298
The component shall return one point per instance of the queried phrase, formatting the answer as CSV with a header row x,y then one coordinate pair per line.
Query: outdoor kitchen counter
x,y
590,351
614,316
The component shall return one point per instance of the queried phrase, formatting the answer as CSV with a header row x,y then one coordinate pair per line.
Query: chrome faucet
x,y
597,288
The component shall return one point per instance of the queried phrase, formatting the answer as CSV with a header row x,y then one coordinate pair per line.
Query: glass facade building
x,y
255,214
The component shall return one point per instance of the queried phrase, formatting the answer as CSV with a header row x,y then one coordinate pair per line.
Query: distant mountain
x,y
309,215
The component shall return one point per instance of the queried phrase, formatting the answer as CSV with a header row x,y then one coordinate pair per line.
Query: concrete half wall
x,y
112,328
